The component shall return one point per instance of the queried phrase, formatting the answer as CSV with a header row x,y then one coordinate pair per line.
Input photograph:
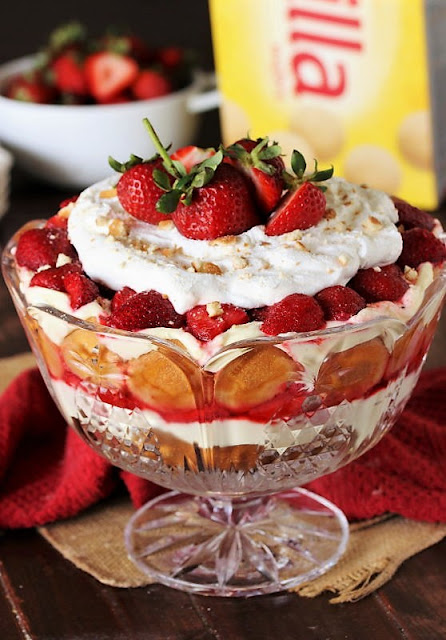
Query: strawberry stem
x,y
167,160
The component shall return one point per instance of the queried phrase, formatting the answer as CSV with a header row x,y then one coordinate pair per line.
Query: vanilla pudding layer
x,y
362,414
249,270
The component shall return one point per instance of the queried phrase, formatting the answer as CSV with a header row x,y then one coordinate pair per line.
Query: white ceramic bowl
x,y
69,145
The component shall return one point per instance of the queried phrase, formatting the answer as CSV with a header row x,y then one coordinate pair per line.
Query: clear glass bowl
x,y
231,438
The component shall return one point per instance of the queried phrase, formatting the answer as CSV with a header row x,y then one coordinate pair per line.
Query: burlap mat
x,y
93,541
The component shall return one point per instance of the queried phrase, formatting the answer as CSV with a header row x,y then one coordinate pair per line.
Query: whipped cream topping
x,y
248,270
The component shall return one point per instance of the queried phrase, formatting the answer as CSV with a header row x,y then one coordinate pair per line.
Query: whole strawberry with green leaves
x,y
210,200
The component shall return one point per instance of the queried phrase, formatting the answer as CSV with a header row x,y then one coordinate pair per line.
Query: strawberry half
x,y
108,74
137,191
420,245
81,290
296,312
380,283
303,206
143,311
263,166
150,84
53,278
410,216
206,326
340,303
40,247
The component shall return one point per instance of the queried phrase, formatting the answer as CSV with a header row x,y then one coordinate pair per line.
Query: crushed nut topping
x,y
372,225
239,262
224,240
410,274
166,224
108,193
118,228
329,214
206,267
214,309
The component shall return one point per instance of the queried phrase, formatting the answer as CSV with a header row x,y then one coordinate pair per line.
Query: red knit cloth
x,y
48,472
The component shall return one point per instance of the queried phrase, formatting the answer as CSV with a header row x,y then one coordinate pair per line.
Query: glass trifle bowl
x,y
233,438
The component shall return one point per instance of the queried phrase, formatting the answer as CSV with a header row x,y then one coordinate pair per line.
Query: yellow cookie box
x,y
359,84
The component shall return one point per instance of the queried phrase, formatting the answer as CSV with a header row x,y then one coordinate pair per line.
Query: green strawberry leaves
x,y
299,166
257,157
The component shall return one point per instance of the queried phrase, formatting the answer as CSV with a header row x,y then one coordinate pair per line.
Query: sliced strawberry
x,y
81,290
69,76
40,247
121,296
340,303
190,156
57,222
223,207
68,201
205,325
296,312
304,204
420,245
263,166
150,84
53,278
145,310
410,216
108,74
299,209
137,191
380,283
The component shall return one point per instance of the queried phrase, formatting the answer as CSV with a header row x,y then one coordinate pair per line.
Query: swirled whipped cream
x,y
249,270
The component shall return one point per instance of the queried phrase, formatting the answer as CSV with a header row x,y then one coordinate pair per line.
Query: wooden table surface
x,y
44,597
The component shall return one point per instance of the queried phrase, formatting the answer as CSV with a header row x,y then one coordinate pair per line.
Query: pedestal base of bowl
x,y
236,547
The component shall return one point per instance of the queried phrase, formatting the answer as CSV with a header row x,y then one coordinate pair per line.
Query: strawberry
x,y
380,283
68,201
220,208
150,84
143,311
340,303
262,165
170,57
296,312
81,290
30,87
209,201
410,216
121,296
137,191
57,222
69,74
303,206
420,245
127,44
40,247
206,326
53,278
190,156
108,74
